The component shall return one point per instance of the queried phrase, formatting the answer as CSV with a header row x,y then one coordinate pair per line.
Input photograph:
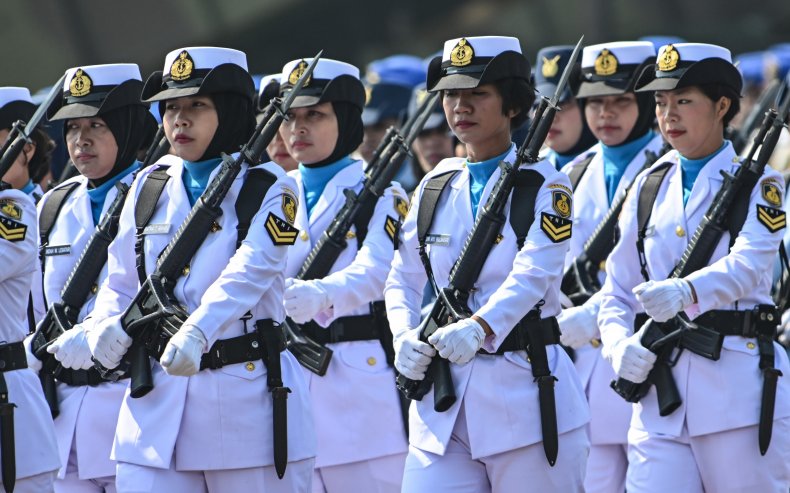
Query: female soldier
x,y
17,105
361,445
622,122
104,128
35,448
710,443
569,134
206,425
485,91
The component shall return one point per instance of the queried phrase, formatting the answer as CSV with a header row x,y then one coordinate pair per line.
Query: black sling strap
x,y
256,184
144,209
644,209
430,197
46,221
522,203
578,171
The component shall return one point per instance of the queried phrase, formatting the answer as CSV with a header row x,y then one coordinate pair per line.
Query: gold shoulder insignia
x,y
280,231
556,228
771,193
561,187
297,72
561,203
668,60
12,230
401,206
10,209
462,54
550,66
289,207
391,226
606,63
80,84
772,219
182,67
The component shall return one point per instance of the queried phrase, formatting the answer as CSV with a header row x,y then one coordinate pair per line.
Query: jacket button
x,y
750,345
680,231
185,271
371,361
303,236
250,366
596,343
95,288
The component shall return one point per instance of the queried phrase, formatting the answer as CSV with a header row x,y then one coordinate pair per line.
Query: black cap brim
x,y
126,93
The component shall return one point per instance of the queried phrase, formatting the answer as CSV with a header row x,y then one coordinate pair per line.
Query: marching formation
x,y
459,274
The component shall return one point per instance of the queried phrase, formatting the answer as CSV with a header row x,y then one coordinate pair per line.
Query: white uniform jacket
x,y
717,395
36,447
217,419
498,392
87,414
356,407
591,203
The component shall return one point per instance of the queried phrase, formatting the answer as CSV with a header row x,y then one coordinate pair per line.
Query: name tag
x,y
156,229
57,250
438,240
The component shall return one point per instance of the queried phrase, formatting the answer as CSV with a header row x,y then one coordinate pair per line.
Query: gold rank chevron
x,y
773,219
391,227
280,231
12,230
555,227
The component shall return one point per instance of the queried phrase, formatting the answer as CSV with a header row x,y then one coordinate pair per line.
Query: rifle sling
x,y
577,172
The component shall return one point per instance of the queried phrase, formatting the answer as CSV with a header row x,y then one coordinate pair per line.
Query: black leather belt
x,y
519,340
12,356
735,322
345,329
240,349
81,378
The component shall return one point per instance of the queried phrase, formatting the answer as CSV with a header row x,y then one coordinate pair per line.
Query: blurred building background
x,y
41,38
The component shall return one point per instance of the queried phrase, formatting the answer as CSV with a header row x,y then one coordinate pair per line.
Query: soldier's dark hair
x,y
716,91
517,94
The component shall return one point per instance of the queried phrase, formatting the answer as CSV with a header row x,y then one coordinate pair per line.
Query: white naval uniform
x,y
611,415
35,443
496,418
721,399
88,415
218,419
356,407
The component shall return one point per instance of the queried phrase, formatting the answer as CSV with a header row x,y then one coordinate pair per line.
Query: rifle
x,y
155,315
62,316
387,159
451,302
662,338
20,132
580,280
158,148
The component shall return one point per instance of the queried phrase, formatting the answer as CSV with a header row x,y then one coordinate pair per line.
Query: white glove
x,y
182,354
33,363
459,341
71,349
303,300
663,300
631,360
412,356
578,325
108,342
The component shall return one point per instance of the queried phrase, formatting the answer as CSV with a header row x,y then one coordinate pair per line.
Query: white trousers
x,y
40,483
724,462
133,478
606,469
72,483
380,475
524,469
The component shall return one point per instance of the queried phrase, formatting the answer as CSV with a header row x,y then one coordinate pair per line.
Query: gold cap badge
x,y
462,54
606,63
550,66
182,67
669,59
297,72
80,84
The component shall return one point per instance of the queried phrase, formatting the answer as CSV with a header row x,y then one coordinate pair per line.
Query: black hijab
x,y
349,135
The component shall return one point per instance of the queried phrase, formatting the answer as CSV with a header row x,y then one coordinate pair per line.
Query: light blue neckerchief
x,y
617,158
196,175
314,180
690,168
479,174
99,194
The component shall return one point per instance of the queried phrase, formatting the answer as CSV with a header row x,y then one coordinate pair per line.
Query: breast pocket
x,y
367,356
249,370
